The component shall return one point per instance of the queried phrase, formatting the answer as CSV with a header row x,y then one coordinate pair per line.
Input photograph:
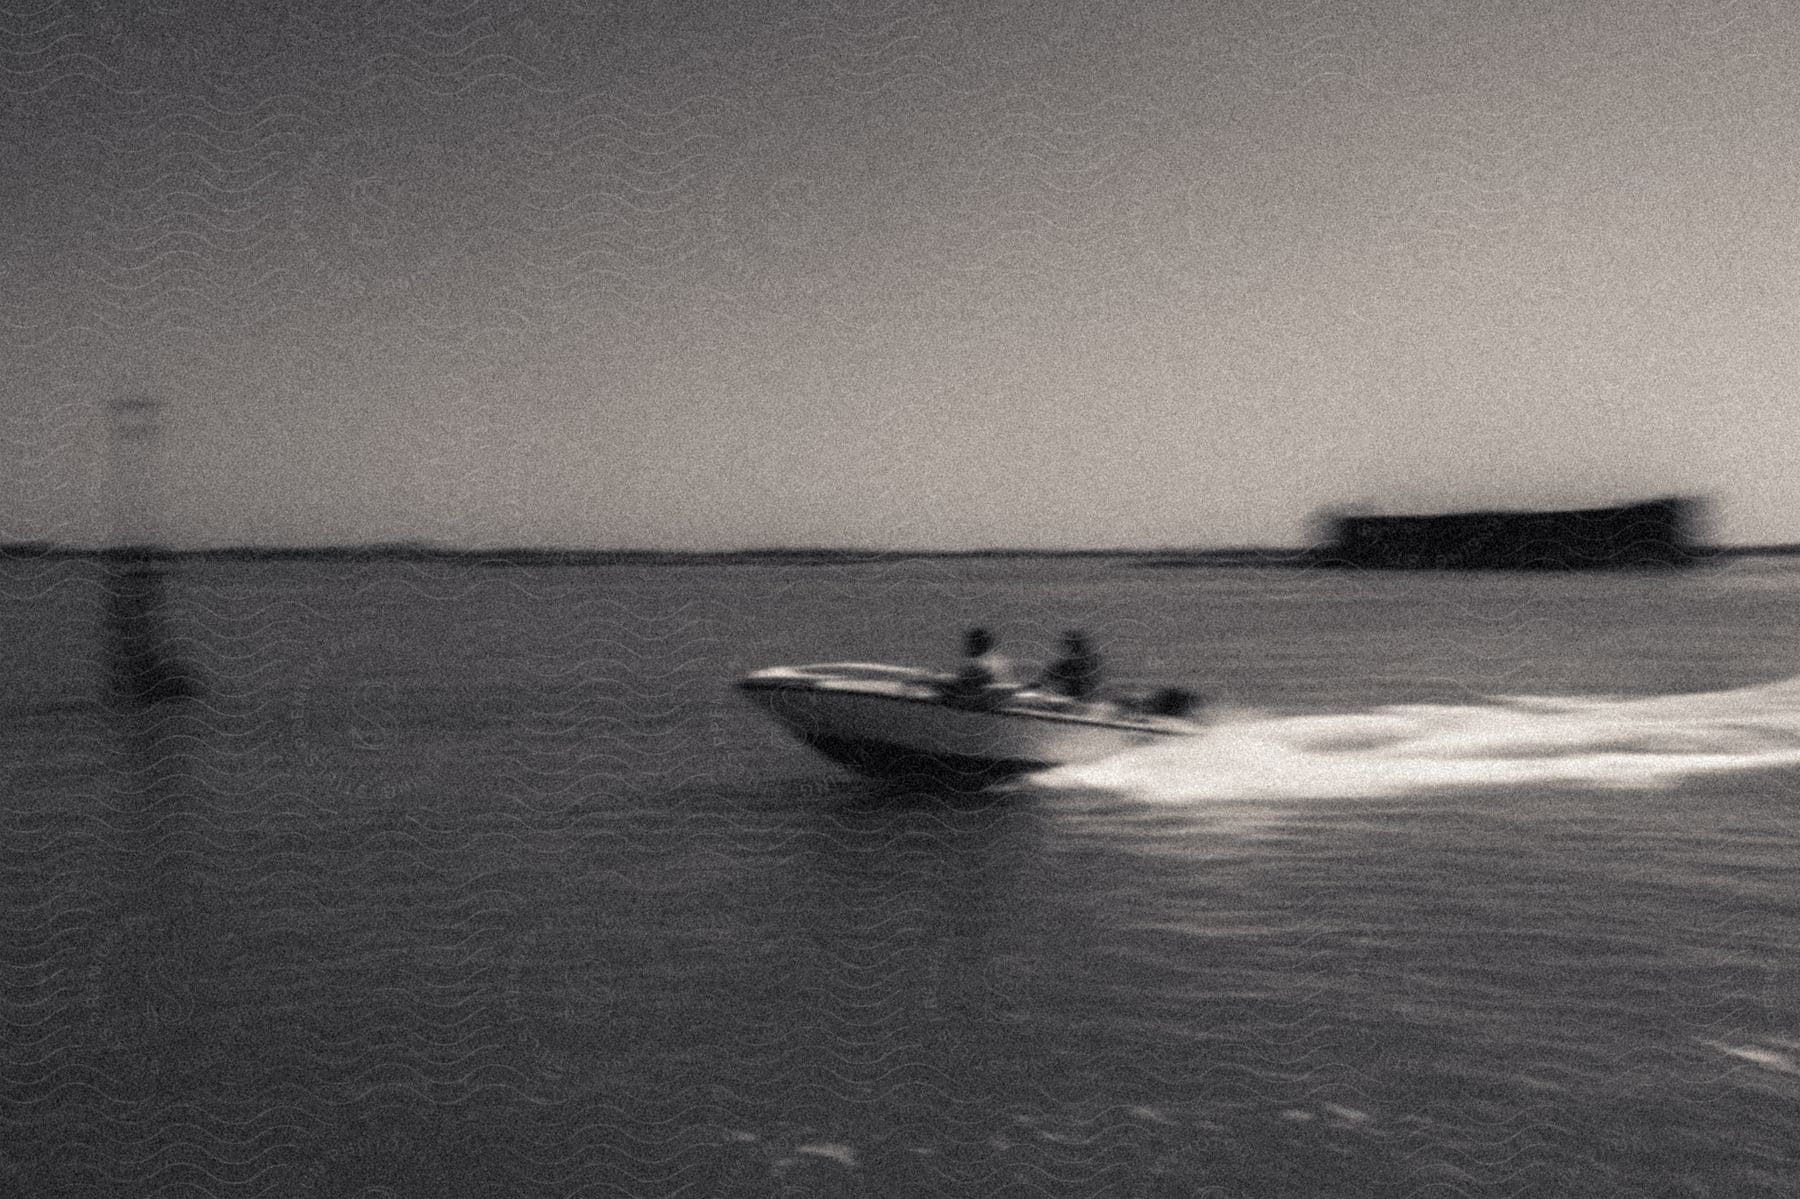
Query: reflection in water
x,y
152,978
900,923
143,669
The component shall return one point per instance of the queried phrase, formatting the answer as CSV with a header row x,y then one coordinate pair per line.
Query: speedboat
x,y
895,721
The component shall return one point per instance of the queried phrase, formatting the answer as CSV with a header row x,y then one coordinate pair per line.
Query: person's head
x,y
977,642
1075,641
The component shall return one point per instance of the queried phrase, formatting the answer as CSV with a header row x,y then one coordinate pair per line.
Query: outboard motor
x,y
1171,701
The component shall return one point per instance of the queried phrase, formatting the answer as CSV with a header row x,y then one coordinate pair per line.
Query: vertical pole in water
x,y
142,669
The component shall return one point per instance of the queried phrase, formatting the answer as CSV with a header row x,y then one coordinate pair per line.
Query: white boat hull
x,y
891,721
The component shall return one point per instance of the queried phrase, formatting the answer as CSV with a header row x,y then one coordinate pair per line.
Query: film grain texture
x,y
456,866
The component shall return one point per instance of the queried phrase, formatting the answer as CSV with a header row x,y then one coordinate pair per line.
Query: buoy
x,y
143,669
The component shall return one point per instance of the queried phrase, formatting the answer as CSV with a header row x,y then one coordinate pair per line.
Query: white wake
x,y
1509,741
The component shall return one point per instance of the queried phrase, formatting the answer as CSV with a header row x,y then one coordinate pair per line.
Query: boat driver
x,y
1077,673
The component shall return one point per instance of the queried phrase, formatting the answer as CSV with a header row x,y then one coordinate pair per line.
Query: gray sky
x,y
698,275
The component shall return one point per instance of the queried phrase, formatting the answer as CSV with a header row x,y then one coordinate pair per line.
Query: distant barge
x,y
1656,534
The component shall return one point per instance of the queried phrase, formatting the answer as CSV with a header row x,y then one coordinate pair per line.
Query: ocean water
x,y
478,880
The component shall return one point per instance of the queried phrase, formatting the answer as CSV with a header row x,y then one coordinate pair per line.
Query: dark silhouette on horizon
x,y
1655,534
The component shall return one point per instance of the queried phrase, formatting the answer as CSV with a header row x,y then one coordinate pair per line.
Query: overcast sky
x,y
587,272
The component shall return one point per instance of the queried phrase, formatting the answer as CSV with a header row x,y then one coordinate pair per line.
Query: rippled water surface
x,y
478,880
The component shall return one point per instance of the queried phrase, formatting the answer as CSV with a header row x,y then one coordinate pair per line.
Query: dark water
x,y
478,881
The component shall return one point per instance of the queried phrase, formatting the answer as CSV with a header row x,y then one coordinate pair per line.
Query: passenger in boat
x,y
985,671
1077,673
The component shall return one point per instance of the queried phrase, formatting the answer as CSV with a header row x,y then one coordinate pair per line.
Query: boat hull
x,y
891,722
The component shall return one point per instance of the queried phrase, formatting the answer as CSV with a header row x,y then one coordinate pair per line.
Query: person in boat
x,y
1077,673
986,674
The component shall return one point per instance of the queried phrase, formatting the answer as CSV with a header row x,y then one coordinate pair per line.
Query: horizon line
x,y
427,549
